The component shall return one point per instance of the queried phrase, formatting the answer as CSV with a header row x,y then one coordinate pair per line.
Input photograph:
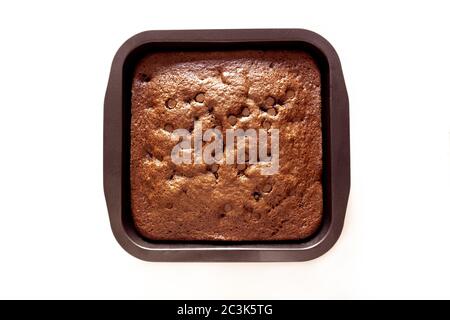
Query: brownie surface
x,y
223,90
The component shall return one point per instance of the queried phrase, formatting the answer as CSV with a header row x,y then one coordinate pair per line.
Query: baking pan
x,y
336,146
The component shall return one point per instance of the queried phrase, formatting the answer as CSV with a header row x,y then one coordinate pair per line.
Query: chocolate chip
x,y
232,120
168,127
267,188
227,207
290,94
256,195
245,112
270,101
200,97
272,111
241,166
171,103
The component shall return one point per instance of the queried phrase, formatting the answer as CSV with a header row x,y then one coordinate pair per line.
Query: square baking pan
x,y
335,144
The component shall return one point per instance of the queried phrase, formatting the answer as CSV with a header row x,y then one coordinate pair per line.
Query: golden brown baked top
x,y
227,89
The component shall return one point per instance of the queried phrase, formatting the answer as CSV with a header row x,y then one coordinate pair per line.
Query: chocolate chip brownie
x,y
223,90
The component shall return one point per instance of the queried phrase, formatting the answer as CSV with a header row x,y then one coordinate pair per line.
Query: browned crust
x,y
189,202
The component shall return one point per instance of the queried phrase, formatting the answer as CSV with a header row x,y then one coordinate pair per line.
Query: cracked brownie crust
x,y
227,89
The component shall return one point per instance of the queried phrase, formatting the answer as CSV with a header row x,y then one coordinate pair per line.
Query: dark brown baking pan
x,y
336,148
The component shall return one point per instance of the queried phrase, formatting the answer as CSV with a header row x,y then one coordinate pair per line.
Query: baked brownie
x,y
226,89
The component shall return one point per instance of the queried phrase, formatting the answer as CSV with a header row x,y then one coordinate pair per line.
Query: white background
x,y
55,239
